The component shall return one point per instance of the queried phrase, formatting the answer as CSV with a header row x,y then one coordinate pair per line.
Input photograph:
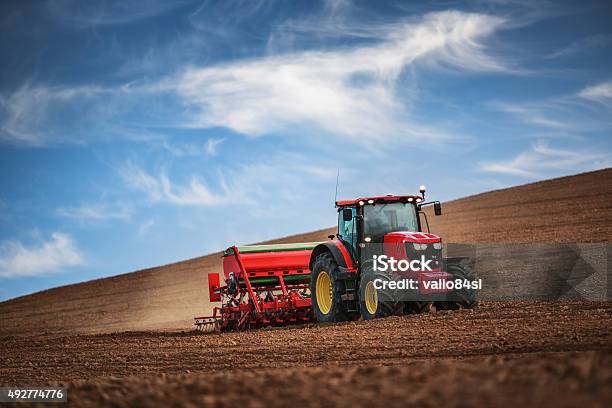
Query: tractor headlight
x,y
437,245
419,247
367,239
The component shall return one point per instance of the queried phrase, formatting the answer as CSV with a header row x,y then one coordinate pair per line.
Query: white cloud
x,y
570,114
59,252
209,148
601,92
97,211
543,161
181,150
347,92
212,146
542,115
221,18
350,92
26,114
336,19
145,227
595,41
161,189
281,175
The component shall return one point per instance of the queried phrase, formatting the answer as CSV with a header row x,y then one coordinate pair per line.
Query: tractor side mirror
x,y
347,214
437,208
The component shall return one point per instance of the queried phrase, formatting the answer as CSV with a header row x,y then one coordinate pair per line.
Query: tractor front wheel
x,y
375,303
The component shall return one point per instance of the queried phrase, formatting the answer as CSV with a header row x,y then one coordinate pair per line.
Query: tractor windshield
x,y
381,219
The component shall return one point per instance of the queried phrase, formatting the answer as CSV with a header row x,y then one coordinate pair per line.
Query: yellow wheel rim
x,y
324,292
371,298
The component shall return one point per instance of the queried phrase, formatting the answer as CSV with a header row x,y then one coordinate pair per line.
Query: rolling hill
x,y
563,210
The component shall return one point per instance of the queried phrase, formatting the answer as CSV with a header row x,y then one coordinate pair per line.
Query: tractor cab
x,y
386,219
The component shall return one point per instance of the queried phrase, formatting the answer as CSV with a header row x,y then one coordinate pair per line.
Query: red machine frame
x,y
244,307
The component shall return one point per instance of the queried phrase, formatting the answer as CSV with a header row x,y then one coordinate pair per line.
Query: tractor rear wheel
x,y
326,290
462,298
375,303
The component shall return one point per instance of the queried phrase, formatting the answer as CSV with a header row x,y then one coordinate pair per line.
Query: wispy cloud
x,y
208,148
160,189
282,175
349,92
580,112
336,19
222,18
539,114
600,93
97,212
145,227
28,112
212,146
346,92
59,252
583,45
542,161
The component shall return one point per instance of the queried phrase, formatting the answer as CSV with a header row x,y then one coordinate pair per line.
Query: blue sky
x,y
134,134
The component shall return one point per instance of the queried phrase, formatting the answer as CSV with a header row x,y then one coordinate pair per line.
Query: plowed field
x,y
127,340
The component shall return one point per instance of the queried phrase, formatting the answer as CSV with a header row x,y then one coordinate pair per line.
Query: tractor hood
x,y
409,236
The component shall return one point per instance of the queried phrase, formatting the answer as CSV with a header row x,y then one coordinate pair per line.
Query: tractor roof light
x,y
419,199
368,239
370,201
410,199
422,191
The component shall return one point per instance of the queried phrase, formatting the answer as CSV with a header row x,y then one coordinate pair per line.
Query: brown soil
x,y
503,353
554,379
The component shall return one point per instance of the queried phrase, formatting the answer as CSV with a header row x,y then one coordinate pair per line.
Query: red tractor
x,y
337,280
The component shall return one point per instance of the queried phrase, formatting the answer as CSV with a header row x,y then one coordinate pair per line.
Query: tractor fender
x,y
338,251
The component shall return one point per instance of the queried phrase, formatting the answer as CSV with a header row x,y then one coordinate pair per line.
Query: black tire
x,y
462,298
387,304
337,313
416,307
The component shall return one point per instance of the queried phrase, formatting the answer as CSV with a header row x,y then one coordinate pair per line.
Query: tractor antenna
x,y
337,178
